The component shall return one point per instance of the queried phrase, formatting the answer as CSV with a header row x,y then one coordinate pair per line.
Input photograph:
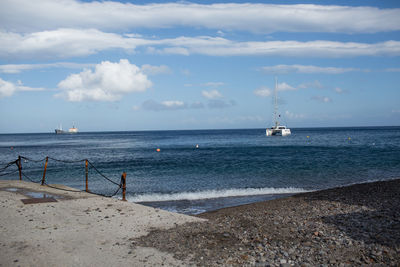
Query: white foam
x,y
214,194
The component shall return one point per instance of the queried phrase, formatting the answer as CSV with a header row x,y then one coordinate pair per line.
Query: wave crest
x,y
208,194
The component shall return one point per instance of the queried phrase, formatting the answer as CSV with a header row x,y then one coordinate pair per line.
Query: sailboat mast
x,y
276,103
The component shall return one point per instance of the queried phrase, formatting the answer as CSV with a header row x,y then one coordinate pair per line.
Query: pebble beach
x,y
349,226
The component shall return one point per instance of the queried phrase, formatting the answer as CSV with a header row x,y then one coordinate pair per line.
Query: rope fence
x,y
17,164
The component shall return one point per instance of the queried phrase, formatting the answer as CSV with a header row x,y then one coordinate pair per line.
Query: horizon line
x,y
221,129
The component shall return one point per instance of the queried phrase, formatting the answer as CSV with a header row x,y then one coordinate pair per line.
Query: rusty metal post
x,y
123,179
20,168
44,172
87,174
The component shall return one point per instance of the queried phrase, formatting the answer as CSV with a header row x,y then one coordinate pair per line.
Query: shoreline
x,y
287,195
344,226
195,207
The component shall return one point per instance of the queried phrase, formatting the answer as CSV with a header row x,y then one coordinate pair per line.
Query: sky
x,y
139,65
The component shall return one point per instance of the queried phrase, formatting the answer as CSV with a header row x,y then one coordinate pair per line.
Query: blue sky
x,y
135,65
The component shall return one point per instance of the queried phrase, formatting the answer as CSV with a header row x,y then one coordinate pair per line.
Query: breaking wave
x,y
209,194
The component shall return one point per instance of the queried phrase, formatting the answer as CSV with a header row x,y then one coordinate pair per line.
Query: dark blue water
x,y
229,167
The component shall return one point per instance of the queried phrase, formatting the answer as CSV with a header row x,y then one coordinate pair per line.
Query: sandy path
x,y
78,230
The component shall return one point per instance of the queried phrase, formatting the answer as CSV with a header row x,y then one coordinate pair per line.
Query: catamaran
x,y
277,129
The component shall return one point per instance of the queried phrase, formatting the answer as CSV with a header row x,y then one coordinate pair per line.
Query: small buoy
x,y
349,138
308,136
197,146
158,150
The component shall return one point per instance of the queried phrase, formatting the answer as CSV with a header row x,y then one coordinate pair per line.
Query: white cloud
x,y
173,104
220,33
208,84
292,115
338,90
221,103
8,88
18,68
315,84
63,43
167,105
155,70
392,70
307,69
216,100
108,82
186,72
263,91
213,94
323,99
213,84
183,51
217,46
261,18
285,87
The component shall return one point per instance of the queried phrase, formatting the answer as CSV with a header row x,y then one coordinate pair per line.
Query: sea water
x,y
200,170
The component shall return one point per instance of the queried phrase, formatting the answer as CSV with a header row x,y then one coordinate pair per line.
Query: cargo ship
x,y
72,130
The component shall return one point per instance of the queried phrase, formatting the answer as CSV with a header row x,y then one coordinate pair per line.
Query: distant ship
x,y
277,129
72,130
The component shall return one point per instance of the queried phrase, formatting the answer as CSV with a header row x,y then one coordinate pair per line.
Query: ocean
x,y
202,170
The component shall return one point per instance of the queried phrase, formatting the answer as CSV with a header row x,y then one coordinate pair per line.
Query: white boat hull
x,y
277,132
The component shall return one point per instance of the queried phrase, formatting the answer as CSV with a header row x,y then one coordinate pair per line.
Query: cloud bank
x,y
65,43
306,69
18,68
108,82
250,17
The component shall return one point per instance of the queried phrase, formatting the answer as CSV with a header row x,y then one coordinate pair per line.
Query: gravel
x,y
346,226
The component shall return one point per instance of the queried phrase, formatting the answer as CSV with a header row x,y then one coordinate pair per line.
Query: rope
x,y
64,161
8,165
102,174
116,192
79,191
30,179
8,173
63,189
29,159
67,161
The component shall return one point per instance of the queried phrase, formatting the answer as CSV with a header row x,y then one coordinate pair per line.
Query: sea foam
x,y
208,194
